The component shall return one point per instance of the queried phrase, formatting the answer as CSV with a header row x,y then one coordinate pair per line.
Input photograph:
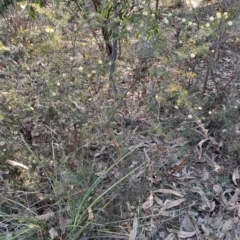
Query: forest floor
x,y
156,160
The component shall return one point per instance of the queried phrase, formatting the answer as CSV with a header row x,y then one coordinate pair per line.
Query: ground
x,y
156,160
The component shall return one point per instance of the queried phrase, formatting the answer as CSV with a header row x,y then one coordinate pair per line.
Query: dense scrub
x,y
119,120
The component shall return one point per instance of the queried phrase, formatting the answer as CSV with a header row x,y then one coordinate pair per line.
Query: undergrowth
x,y
82,162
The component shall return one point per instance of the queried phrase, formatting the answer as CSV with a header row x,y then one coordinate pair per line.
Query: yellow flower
x,y
49,29
158,97
207,25
211,19
166,20
193,55
22,6
219,15
225,14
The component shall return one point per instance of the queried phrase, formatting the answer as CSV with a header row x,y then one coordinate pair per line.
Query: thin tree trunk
x,y
114,50
105,32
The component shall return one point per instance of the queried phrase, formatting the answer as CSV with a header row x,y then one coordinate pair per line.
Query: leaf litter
x,y
183,194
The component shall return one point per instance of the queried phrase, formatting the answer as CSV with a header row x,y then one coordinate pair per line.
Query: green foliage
x,y
5,4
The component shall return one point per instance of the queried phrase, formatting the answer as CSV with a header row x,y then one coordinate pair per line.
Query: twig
x,y
216,45
150,167
209,68
183,161
16,164
230,80
111,117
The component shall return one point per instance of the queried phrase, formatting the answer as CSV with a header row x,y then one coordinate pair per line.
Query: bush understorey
x,y
119,120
